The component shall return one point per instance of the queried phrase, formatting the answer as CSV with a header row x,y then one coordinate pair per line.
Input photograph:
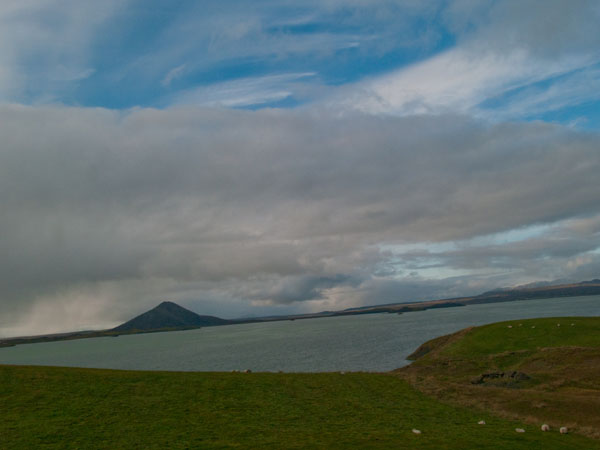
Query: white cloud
x,y
243,92
66,74
45,45
458,81
500,47
577,87
173,74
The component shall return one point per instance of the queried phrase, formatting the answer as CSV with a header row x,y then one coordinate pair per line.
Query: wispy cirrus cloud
x,y
246,92
46,46
505,65
386,57
498,86
174,73
138,50
580,86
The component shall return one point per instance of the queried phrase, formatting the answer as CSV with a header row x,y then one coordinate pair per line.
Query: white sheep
x,y
545,427
481,422
416,431
519,430
563,430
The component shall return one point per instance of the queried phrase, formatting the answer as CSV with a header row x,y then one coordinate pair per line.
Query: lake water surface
x,y
374,342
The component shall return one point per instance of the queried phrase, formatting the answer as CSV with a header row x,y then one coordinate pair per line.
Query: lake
x,y
374,342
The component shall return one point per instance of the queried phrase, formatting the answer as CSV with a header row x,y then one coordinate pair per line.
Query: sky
x,y
275,157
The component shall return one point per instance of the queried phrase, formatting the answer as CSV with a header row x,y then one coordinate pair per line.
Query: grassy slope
x,y
46,407
562,361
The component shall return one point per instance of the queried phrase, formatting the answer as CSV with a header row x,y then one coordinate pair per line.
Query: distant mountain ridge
x,y
169,315
545,288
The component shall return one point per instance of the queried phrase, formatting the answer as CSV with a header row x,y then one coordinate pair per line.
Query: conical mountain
x,y
169,315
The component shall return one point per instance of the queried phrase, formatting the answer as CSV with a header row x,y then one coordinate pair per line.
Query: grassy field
x,y
560,356
45,407
50,407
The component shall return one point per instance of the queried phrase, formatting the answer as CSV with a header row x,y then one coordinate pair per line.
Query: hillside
x,y
169,315
536,370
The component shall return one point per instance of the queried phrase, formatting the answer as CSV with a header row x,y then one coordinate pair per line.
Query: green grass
x,y
47,407
498,337
50,407
562,364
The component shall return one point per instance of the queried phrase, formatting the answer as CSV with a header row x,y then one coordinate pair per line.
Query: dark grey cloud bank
x,y
230,212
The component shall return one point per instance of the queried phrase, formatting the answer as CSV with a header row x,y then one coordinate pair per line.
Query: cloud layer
x,y
393,171
106,213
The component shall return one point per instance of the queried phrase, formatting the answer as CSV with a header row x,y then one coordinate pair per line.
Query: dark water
x,y
376,342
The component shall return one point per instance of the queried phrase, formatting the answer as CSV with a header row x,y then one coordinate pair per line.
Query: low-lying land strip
x,y
169,316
